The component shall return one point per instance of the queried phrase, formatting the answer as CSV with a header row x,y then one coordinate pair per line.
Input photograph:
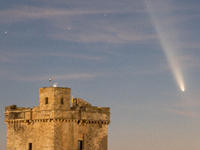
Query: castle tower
x,y
54,98
54,125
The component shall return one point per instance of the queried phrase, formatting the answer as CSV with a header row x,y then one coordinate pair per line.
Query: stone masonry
x,y
55,125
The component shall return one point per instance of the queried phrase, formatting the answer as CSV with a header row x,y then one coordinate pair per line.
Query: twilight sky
x,y
130,55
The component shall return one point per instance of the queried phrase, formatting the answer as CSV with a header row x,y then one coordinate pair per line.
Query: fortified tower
x,y
55,125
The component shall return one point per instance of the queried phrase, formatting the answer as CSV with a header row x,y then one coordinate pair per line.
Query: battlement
x,y
57,107
87,113
17,113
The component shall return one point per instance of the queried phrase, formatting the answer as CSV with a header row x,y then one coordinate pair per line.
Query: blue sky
x,y
117,54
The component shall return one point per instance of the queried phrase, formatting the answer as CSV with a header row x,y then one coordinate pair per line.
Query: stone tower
x,y
55,125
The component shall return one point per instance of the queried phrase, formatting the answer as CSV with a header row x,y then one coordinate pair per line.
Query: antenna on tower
x,y
50,80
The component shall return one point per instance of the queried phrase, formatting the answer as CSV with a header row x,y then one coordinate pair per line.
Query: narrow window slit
x,y
30,146
61,101
46,100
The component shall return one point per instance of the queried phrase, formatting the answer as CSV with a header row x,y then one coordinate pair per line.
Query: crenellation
x,y
55,125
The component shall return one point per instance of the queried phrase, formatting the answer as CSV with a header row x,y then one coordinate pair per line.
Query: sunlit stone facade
x,y
55,125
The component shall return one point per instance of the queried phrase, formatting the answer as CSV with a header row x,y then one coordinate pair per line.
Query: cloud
x,y
189,113
23,13
188,106
17,56
188,44
10,57
120,22
190,61
187,60
57,77
77,56
85,25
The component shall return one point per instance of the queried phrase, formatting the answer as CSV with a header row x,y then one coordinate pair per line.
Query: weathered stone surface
x,y
54,125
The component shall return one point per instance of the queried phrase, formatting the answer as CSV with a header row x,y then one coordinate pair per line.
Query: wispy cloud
x,y
190,62
188,102
12,57
188,106
77,56
187,62
9,57
57,77
189,113
81,25
96,22
23,13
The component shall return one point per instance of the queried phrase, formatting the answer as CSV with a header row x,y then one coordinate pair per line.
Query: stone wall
x,y
40,134
56,125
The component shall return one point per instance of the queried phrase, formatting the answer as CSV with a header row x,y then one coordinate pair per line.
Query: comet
x,y
168,37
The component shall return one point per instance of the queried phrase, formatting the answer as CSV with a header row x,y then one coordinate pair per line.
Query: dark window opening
x,y
61,101
30,146
80,145
46,100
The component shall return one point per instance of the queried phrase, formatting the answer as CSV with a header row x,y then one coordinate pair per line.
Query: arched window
x,y
61,101
46,100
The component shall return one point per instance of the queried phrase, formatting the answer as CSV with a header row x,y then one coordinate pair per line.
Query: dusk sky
x,y
134,56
